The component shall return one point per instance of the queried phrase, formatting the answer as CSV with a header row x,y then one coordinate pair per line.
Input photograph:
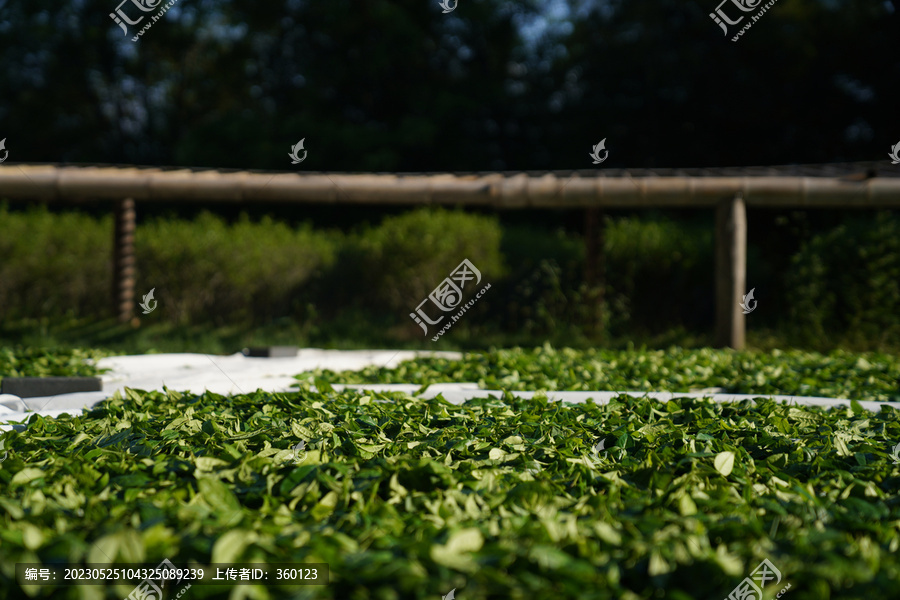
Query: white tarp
x,y
196,373
235,374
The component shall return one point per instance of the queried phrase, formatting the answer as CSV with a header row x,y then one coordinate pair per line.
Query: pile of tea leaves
x,y
839,374
18,361
496,498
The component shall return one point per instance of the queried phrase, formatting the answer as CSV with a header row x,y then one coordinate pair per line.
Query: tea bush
x,y
842,285
847,282
53,263
206,270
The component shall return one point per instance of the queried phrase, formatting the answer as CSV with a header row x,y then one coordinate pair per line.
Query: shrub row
x,y
658,274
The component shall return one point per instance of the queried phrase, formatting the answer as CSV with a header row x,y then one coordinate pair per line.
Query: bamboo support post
x,y
123,260
731,271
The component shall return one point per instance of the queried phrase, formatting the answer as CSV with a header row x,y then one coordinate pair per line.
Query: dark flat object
x,y
272,352
34,387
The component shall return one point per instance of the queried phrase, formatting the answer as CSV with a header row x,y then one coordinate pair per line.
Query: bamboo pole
x,y
731,271
123,260
497,190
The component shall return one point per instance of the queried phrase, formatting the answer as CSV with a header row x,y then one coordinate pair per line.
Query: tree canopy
x,y
397,85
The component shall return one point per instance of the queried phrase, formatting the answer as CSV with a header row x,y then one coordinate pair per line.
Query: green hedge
x,y
363,284
55,264
207,270
393,266
202,271
658,275
847,282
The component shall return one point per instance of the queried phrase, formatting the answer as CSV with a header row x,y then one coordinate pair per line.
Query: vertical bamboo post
x,y
123,260
731,271
595,265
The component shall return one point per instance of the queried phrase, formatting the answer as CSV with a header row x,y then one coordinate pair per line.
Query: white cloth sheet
x,y
235,374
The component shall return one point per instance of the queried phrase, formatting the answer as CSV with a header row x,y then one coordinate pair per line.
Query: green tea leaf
x,y
724,463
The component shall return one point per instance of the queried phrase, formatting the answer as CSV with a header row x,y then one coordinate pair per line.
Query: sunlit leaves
x,y
724,463
503,496
840,374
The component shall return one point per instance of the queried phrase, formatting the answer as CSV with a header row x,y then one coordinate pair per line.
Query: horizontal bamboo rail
x,y
500,191
730,196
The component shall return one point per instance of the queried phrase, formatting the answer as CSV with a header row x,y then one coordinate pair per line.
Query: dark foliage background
x,y
391,85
